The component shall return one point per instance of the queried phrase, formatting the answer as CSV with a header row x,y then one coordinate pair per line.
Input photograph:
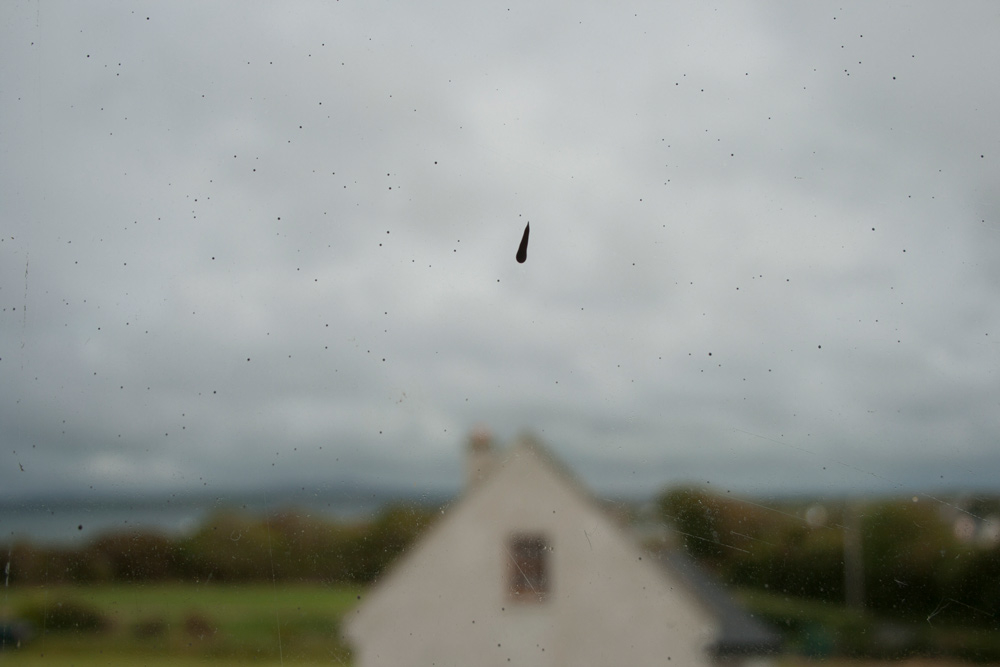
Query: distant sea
x,y
69,522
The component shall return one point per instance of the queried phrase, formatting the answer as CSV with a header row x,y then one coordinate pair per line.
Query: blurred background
x,y
258,286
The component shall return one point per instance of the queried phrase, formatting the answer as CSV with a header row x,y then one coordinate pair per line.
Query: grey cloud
x,y
317,188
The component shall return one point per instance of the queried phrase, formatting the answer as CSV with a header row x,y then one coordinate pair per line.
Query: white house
x,y
527,569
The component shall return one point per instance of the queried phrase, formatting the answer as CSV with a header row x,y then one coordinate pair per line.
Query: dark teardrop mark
x,y
522,250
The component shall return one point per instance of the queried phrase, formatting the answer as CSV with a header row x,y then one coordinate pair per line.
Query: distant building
x,y
527,569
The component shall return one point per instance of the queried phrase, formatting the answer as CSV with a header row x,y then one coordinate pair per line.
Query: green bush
x,y
150,628
233,547
66,616
135,556
198,625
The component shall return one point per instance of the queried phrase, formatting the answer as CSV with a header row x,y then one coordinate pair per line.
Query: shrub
x,y
67,616
150,628
198,625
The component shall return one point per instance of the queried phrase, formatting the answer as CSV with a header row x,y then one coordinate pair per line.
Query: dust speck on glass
x,y
273,387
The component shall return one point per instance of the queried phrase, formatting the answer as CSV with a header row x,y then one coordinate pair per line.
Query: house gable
x,y
451,599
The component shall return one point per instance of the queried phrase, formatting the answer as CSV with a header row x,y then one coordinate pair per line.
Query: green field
x,y
180,624
220,625
819,629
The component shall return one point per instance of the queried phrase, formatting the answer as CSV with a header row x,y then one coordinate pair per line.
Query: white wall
x,y
447,603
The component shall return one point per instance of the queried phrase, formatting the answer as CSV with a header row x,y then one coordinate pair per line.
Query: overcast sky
x,y
251,245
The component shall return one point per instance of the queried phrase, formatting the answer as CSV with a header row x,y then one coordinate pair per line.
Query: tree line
x,y
910,561
230,547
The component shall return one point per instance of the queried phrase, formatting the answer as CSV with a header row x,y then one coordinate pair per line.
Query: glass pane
x,y
330,330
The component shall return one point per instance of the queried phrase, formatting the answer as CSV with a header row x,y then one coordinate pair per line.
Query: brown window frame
x,y
529,576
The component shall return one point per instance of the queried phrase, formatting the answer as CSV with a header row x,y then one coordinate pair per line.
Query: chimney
x,y
479,457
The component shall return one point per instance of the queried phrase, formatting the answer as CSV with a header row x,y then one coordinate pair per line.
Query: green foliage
x,y
135,556
171,624
66,616
972,582
291,546
818,629
751,546
150,628
55,565
370,553
232,547
809,565
913,564
229,547
697,515
905,546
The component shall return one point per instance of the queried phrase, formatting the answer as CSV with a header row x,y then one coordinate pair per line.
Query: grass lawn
x,y
181,624
219,625
822,629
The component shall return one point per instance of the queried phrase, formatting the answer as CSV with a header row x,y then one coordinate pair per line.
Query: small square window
x,y
528,568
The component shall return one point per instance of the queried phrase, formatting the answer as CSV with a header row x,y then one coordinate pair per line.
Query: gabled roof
x,y
733,633
529,443
739,632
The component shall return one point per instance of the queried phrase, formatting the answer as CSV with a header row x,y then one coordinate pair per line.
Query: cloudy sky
x,y
253,245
